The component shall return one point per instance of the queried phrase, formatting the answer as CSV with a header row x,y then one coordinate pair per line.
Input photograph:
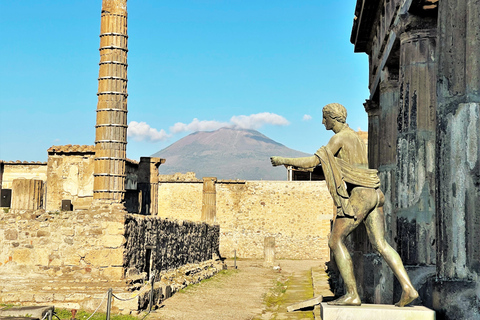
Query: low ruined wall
x,y
71,259
155,245
70,177
176,253
68,259
296,213
27,170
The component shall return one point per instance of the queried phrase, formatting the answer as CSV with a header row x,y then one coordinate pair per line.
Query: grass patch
x,y
65,314
214,280
276,295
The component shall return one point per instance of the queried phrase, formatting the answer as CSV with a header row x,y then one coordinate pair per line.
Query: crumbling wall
x,y
69,259
297,213
27,170
70,177
155,244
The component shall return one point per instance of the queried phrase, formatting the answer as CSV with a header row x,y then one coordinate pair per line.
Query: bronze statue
x,y
356,194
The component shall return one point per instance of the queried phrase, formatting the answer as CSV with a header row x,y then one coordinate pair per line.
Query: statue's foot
x,y
347,300
408,295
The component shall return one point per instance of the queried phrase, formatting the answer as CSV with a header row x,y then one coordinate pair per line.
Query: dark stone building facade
x,y
424,137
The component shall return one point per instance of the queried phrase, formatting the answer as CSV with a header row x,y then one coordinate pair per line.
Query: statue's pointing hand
x,y
276,161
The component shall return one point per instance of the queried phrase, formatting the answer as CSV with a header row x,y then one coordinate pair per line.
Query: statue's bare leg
x,y
342,227
375,225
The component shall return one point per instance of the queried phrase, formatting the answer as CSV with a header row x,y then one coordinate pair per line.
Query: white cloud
x,y
307,117
255,121
140,131
196,125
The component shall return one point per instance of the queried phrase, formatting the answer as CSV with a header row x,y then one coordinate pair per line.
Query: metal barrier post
x,y
151,295
109,303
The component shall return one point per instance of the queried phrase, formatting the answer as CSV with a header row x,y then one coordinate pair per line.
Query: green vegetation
x,y
65,314
6,306
5,210
215,280
276,296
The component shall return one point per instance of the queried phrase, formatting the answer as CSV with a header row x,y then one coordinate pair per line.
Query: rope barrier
x,y
46,315
125,299
101,302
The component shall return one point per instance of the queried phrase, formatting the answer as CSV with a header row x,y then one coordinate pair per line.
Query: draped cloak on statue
x,y
337,173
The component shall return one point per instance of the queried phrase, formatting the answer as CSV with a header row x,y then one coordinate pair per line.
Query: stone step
x,y
25,312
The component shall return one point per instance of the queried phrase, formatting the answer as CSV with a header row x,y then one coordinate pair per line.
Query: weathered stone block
x,y
43,233
26,297
11,234
42,256
75,297
23,256
113,228
112,241
43,297
112,272
105,257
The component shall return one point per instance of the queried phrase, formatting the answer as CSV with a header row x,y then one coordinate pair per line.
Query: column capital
x,y
370,106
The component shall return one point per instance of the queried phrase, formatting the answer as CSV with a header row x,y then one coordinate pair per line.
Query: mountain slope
x,y
226,154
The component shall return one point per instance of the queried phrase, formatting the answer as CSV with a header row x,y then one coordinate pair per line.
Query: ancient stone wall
x,y
155,245
27,170
70,259
70,177
296,213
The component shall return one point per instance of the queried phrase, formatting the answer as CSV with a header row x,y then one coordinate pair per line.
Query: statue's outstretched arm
x,y
304,162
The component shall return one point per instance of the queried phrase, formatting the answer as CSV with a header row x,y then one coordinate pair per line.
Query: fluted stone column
x,y
458,160
415,173
389,102
111,126
383,278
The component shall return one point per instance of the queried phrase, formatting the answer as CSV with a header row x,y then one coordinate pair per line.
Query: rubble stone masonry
x,y
70,259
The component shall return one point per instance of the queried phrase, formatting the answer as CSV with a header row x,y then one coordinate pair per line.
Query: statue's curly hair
x,y
336,111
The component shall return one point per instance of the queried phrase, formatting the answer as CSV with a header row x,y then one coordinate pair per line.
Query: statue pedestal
x,y
375,312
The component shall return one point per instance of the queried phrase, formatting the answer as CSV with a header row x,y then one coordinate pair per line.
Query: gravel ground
x,y
235,294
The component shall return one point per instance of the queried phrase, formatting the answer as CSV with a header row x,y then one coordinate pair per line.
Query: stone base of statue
x,y
375,312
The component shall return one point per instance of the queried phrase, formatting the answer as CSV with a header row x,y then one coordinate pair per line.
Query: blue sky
x,y
193,65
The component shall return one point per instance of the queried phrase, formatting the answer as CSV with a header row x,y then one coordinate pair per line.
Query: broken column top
x,y
115,7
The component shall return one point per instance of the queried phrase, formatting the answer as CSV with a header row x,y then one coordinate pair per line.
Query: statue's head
x,y
335,111
333,114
